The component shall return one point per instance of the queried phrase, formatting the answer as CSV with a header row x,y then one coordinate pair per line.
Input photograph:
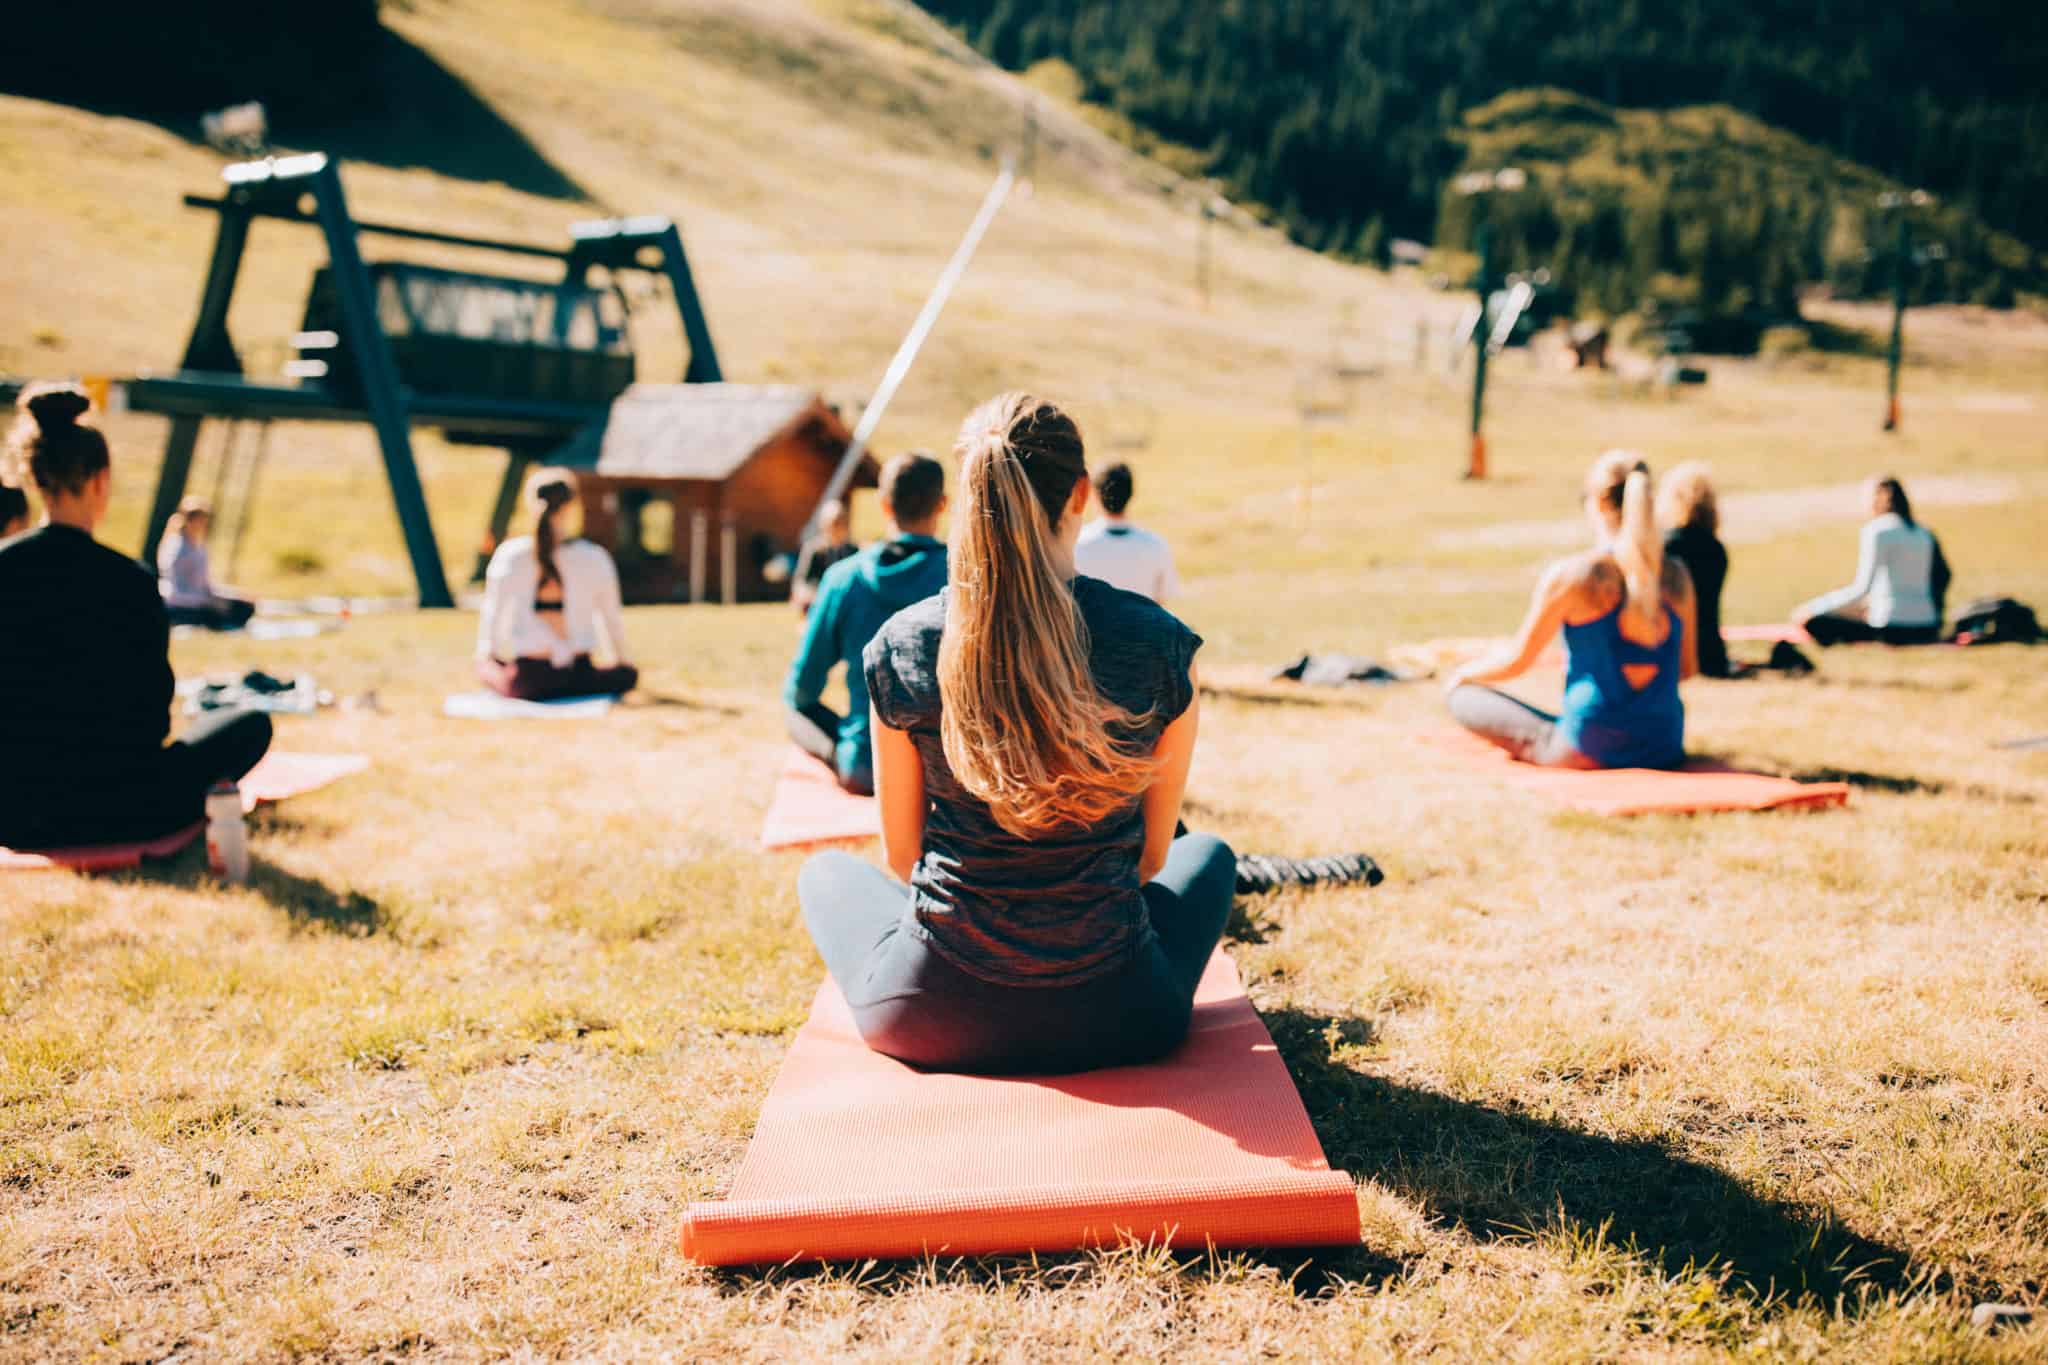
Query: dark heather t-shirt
x,y
1060,908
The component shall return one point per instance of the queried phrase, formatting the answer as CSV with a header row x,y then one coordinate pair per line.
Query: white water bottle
x,y
227,838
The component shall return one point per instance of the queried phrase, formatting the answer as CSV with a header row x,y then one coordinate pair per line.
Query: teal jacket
x,y
855,598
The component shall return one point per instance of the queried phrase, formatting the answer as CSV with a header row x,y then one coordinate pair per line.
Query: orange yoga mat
x,y
1697,787
277,776
857,1155
808,807
1769,633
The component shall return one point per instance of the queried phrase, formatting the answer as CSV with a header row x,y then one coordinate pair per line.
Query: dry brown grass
x,y
440,1080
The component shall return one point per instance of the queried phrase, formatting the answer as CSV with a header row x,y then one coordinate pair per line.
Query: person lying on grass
x,y
85,673
547,601
854,598
1032,734
1630,637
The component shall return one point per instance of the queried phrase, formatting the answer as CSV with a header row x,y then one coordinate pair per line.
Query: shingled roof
x,y
704,431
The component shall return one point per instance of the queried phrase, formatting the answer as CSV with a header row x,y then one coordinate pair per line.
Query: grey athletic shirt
x,y
1063,907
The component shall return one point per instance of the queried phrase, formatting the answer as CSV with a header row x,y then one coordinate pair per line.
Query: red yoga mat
x,y
276,777
809,807
1698,787
857,1155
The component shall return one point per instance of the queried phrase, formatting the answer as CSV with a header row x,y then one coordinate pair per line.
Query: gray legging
x,y
1526,732
914,1005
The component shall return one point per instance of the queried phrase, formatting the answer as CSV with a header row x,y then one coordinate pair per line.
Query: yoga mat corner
x,y
857,1155
808,807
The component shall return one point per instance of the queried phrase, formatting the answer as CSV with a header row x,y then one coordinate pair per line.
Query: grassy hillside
x,y
439,1082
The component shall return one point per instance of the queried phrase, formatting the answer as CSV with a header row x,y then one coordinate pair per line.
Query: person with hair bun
x,y
13,511
85,677
1901,590
1032,735
1687,511
1630,638
547,601
182,566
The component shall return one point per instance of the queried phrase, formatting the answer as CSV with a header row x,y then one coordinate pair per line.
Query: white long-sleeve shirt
x,y
511,629
1894,577
1128,557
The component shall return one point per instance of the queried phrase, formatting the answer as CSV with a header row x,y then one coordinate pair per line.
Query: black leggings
x,y
815,728
912,1004
1527,733
223,613
1847,630
164,791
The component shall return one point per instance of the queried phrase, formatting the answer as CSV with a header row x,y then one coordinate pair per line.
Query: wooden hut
x,y
694,483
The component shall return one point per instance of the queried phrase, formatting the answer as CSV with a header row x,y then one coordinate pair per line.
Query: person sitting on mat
x,y
1686,510
186,579
85,675
833,543
1901,590
1120,554
547,598
13,511
855,598
1629,633
1033,732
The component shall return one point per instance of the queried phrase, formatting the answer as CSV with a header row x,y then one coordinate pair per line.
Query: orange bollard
x,y
1477,469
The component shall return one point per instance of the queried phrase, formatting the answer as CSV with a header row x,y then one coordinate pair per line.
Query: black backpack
x,y
1996,621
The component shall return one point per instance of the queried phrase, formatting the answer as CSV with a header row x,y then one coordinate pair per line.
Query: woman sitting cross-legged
x,y
85,673
1901,590
1032,733
187,578
1629,634
547,598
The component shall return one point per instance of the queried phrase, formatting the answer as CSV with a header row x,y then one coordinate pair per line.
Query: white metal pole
x,y
906,354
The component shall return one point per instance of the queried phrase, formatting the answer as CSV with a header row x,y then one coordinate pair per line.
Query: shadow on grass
x,y
313,903
308,902
402,109
1496,1174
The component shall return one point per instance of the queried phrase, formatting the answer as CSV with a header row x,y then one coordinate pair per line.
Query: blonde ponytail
x,y
1023,726
1620,480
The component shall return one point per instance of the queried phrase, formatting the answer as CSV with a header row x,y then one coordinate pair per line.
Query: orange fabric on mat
x,y
277,776
1770,633
858,1155
809,807
281,775
1698,786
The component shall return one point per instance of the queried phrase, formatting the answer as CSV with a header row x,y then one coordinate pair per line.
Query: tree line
x,y
1348,121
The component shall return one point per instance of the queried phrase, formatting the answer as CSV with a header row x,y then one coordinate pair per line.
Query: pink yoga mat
x,y
1770,632
857,1155
808,807
1699,786
278,776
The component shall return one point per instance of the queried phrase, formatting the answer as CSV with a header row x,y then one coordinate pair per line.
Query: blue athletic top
x,y
1609,721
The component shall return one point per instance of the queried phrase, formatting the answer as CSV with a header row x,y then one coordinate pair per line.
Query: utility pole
x,y
1481,335
1478,185
1903,259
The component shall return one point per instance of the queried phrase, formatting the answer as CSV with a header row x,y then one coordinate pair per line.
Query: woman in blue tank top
x,y
1630,637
